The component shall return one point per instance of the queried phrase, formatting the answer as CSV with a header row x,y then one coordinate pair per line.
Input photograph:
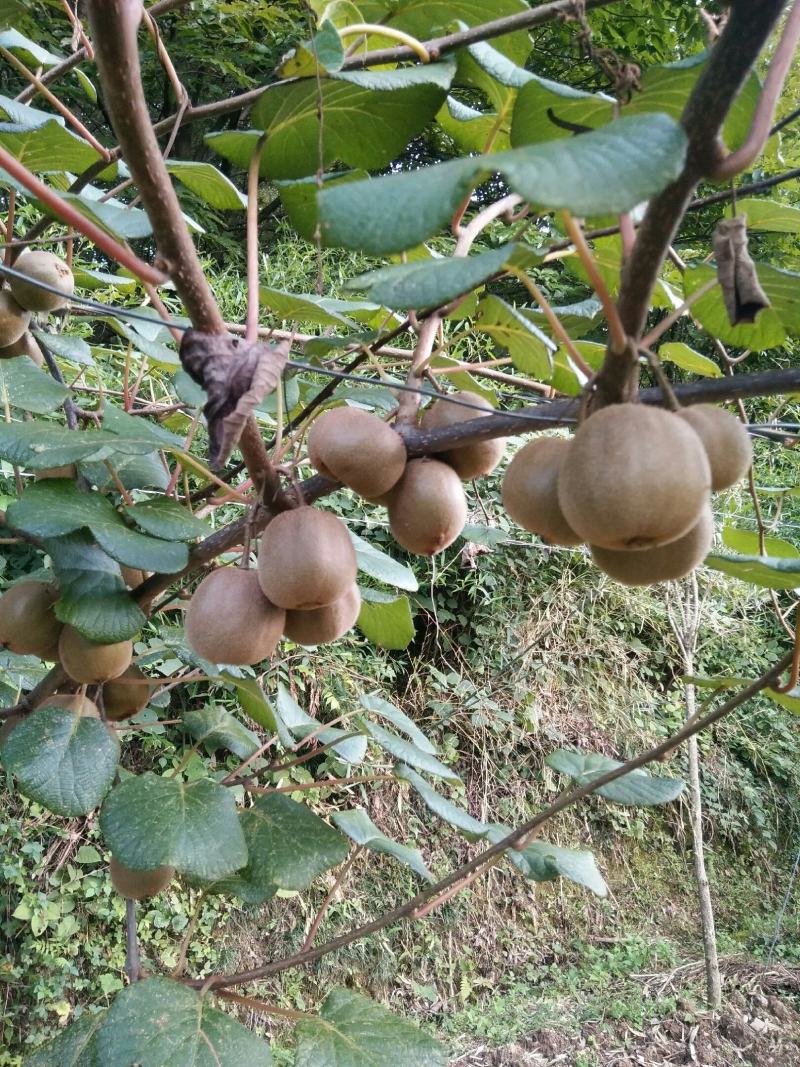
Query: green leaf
x,y
629,160
62,761
386,620
75,1047
451,813
304,307
35,445
94,599
360,828
86,84
299,198
375,702
98,279
369,117
166,518
407,752
431,282
687,359
252,699
148,821
530,349
27,50
47,147
771,572
123,222
748,543
577,319
771,325
634,788
542,862
75,349
210,184
217,728
472,130
324,51
160,1023
288,845
382,568
353,1031
567,376
293,723
769,216
463,380
29,388
56,506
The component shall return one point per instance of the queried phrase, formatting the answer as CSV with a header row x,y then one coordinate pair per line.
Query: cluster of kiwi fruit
x,y
25,296
634,483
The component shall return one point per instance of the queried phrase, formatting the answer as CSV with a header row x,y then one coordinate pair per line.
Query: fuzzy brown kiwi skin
x,y
14,320
229,620
358,449
28,625
27,345
306,559
635,477
323,625
472,460
427,509
726,441
126,696
530,491
665,563
81,706
43,267
89,662
137,885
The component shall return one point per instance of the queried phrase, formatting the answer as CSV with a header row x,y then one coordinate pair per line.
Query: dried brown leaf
x,y
736,272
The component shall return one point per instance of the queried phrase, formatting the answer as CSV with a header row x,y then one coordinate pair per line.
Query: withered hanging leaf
x,y
236,376
736,272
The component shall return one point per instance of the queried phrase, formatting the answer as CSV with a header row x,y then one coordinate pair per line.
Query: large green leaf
x,y
749,544
27,50
166,518
74,349
408,752
769,216
47,147
353,1031
577,319
29,388
368,117
629,160
772,323
771,572
386,620
56,506
94,599
299,197
375,703
360,828
530,348
292,723
543,862
288,845
160,1023
41,444
74,1047
687,359
635,788
218,728
123,222
148,821
473,130
471,828
381,567
208,183
63,761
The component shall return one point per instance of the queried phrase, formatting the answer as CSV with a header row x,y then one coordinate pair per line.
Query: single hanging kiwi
x,y
14,320
28,625
665,563
136,885
27,345
88,661
79,704
306,559
427,509
229,620
726,441
530,490
634,477
321,625
45,267
127,695
472,460
358,449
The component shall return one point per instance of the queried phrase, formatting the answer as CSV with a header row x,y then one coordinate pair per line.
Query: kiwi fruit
x,y
472,460
47,268
28,625
530,490
81,705
358,449
229,620
27,345
726,441
8,726
88,661
321,625
665,563
14,320
125,696
306,559
427,509
634,477
136,885
69,470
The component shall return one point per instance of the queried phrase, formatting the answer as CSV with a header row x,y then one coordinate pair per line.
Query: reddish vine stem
x,y
251,327
329,897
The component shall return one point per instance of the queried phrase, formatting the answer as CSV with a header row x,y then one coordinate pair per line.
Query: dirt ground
x,y
758,1026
